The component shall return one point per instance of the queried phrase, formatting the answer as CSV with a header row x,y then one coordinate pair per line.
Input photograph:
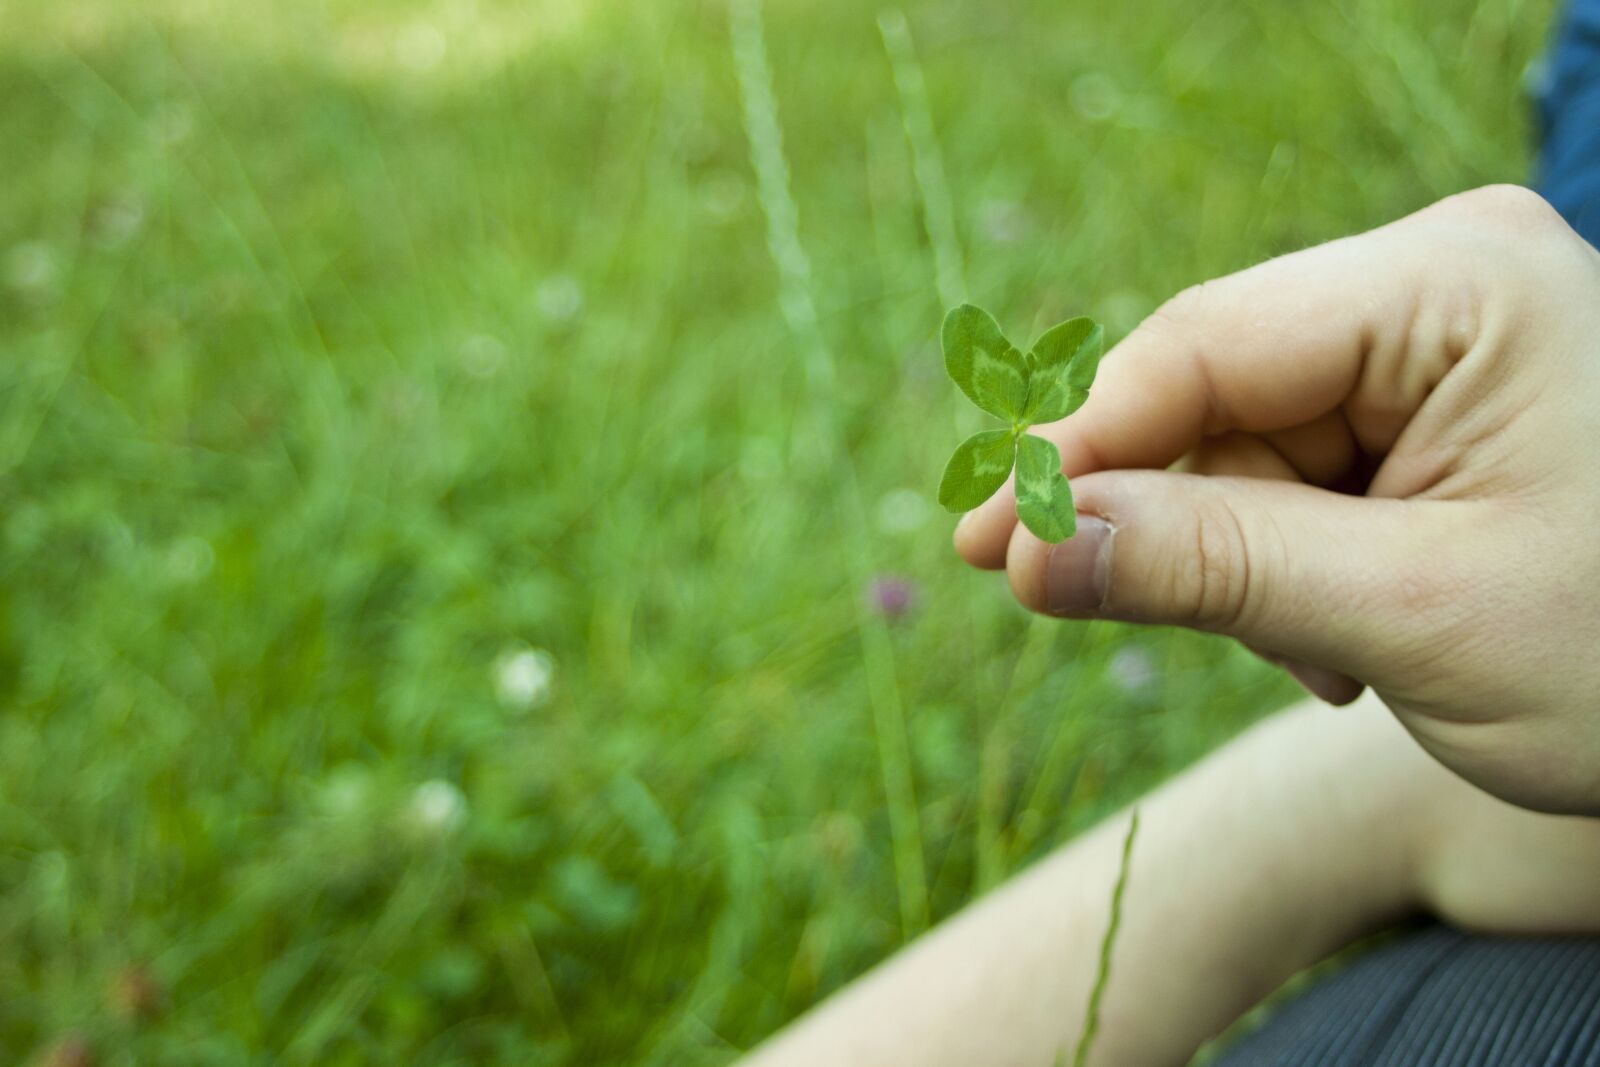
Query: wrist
x,y
1483,863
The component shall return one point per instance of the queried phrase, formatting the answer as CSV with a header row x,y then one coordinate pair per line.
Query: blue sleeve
x,y
1569,112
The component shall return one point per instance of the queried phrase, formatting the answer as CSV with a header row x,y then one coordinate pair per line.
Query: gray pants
x,y
1440,998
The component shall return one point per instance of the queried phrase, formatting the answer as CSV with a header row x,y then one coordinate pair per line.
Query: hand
x,y
1388,474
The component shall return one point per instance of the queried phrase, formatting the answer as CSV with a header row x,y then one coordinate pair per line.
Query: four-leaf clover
x,y
1050,382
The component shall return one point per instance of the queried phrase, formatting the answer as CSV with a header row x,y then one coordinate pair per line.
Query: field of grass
x,y
441,553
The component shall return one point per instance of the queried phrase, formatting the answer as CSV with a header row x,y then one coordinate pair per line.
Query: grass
x,y
353,350
1108,941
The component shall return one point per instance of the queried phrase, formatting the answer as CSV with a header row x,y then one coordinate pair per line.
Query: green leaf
x,y
1063,362
1044,499
977,469
986,366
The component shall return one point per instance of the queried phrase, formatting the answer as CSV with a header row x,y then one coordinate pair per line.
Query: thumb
x,y
1342,582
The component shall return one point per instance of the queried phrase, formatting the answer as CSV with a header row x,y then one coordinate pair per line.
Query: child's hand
x,y
1389,450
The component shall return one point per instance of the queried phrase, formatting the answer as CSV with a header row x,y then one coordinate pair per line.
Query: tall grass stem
x,y
926,159
1102,978
797,299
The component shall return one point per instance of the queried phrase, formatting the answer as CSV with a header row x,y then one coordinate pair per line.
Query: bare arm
x,y
1310,830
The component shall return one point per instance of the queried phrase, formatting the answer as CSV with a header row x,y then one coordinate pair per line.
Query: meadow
x,y
471,589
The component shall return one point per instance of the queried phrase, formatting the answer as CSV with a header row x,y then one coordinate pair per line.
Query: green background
x,y
359,361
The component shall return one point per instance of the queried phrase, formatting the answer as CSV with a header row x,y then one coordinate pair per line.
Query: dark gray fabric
x,y
1440,998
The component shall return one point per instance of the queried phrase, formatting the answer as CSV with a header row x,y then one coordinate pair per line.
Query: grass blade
x,y
1091,1015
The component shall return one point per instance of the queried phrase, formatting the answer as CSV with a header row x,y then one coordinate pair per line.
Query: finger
x,y
1330,686
1326,579
1238,455
1322,452
1285,344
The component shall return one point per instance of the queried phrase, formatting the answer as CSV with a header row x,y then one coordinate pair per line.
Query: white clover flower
x,y
403,399
437,808
1132,670
559,298
1002,221
190,559
1125,308
1094,96
31,269
902,511
523,677
346,791
171,124
483,355
420,47
118,220
723,196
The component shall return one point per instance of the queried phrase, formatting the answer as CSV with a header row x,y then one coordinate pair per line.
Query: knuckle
x,y
1513,207
1173,336
1179,313
1215,581
1501,239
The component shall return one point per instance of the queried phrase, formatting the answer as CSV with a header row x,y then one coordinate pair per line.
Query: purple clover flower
x,y
891,596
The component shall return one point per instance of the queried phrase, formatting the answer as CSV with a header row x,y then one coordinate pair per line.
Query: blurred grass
x,y
353,350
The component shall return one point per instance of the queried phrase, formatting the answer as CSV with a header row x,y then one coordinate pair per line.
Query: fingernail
x,y
1078,569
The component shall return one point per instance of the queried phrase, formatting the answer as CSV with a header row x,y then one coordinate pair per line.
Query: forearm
x,y
1272,853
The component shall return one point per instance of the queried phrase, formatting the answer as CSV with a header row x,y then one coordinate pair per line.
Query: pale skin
x,y
1375,463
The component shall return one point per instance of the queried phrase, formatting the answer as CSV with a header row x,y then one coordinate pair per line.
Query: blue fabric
x,y
1569,112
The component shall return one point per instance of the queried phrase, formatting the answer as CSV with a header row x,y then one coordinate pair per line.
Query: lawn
x,y
467,595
